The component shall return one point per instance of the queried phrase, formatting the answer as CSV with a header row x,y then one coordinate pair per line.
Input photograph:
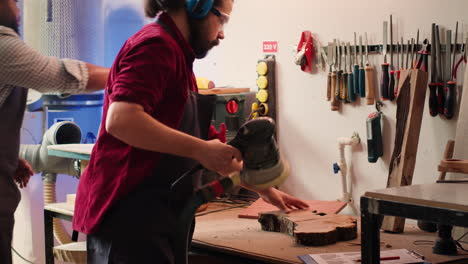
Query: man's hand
x,y
283,201
23,173
220,157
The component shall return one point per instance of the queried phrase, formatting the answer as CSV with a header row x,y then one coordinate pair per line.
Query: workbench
x,y
226,236
239,240
442,203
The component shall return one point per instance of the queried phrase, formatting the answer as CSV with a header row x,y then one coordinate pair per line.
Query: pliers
x,y
462,59
422,62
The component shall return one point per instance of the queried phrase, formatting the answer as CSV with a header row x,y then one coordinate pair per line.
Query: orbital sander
x,y
263,164
263,167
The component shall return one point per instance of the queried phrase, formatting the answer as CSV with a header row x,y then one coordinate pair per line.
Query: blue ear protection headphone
x,y
198,9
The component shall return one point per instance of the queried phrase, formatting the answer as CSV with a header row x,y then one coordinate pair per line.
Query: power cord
x,y
237,203
19,255
219,210
430,243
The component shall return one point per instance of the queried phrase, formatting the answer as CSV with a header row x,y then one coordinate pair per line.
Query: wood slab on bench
x,y
310,228
260,206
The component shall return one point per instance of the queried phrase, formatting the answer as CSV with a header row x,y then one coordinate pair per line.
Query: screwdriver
x,y
351,95
391,84
433,110
344,91
355,68
369,77
362,73
385,65
338,74
450,89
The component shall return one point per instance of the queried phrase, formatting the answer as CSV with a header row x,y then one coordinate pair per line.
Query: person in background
x,y
156,126
22,68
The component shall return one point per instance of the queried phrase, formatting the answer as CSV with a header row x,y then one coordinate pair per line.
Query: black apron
x,y
11,116
137,229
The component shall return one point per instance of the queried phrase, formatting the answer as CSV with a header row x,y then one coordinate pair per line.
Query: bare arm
x,y
131,124
97,77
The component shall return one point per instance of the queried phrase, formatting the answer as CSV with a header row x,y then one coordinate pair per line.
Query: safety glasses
x,y
223,17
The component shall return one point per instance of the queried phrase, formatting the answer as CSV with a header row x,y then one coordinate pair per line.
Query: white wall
x,y
307,128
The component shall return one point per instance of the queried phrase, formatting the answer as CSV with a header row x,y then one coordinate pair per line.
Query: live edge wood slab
x,y
310,228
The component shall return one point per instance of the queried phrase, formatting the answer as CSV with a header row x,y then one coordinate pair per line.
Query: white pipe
x,y
342,142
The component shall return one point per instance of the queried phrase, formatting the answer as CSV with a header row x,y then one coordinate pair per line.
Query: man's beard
x,y
199,44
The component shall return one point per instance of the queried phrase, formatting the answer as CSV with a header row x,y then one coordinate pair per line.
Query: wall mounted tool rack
x,y
378,49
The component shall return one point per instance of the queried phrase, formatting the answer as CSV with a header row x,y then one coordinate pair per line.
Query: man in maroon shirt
x,y
154,129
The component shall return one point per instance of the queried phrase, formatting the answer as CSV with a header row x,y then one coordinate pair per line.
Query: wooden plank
x,y
459,166
310,229
62,208
410,108
461,134
260,206
73,252
223,91
448,154
461,138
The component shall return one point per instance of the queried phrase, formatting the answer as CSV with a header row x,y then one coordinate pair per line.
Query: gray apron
x,y
137,229
11,117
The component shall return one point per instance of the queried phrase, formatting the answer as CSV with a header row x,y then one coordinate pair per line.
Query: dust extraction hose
x,y
37,155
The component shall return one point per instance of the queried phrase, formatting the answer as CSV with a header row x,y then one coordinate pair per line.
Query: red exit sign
x,y
270,46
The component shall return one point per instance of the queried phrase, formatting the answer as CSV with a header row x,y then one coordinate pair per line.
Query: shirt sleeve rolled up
x,y
21,65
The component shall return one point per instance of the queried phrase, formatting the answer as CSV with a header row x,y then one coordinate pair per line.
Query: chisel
x,y
362,73
385,65
391,84
433,108
339,74
451,85
334,102
345,75
369,77
351,95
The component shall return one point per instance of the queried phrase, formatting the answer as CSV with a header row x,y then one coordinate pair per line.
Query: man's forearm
x,y
97,77
129,123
